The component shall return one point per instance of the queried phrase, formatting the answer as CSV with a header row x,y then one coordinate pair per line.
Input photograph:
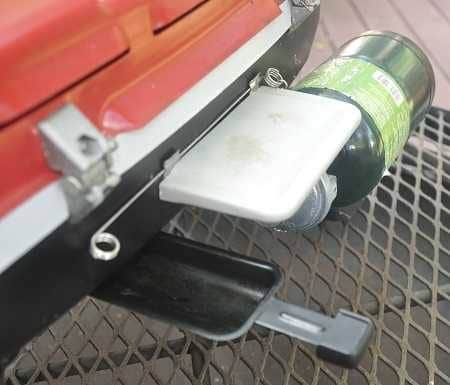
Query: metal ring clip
x,y
104,246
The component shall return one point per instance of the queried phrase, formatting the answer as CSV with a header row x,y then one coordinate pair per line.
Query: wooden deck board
x,y
442,6
430,27
340,20
321,50
427,22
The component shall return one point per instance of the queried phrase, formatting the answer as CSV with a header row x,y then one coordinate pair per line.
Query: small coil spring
x,y
273,78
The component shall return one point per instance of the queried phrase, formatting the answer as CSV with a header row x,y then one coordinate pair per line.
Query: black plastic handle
x,y
347,340
341,340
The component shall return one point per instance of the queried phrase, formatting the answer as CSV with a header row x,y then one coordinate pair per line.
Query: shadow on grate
x,y
390,261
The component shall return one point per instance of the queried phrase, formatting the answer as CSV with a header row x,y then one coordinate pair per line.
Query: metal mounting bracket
x,y
74,147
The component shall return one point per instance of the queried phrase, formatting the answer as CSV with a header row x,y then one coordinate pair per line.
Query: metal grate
x,y
391,261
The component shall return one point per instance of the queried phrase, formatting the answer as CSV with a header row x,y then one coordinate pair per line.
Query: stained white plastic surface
x,y
262,160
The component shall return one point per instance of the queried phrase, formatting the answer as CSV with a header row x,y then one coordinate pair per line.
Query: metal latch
x,y
76,148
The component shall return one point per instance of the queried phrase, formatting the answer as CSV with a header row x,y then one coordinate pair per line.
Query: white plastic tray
x,y
263,159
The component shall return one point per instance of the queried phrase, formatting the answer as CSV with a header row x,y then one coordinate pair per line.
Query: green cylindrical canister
x,y
391,81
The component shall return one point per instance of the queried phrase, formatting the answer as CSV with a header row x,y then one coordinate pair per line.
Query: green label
x,y
375,91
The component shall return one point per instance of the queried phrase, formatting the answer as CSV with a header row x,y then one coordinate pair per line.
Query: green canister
x,y
391,81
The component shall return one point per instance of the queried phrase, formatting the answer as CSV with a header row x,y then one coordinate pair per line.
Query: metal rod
x,y
399,301
94,248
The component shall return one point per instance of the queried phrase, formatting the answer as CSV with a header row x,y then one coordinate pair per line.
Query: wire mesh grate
x,y
389,261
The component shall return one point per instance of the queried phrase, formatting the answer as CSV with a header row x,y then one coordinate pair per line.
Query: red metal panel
x,y
189,49
164,12
45,46
131,91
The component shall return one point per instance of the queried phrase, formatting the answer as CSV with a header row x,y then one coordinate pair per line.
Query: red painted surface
x,y
125,94
164,12
45,47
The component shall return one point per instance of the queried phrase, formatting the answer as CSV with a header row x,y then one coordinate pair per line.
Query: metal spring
x,y
273,78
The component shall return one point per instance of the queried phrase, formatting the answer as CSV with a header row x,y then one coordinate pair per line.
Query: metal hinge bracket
x,y
74,147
